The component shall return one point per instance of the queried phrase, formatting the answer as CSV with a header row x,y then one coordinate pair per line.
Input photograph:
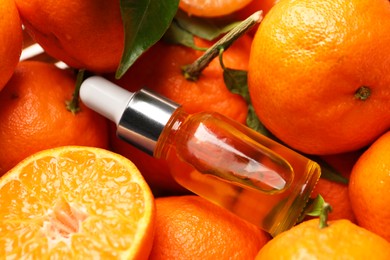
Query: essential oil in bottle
x,y
219,159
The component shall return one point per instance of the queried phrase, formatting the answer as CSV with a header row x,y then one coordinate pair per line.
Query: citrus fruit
x,y
369,188
83,34
33,114
12,39
75,202
341,239
212,8
208,93
318,79
190,227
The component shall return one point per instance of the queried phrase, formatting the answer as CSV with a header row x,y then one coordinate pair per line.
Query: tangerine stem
x,y
326,209
73,104
193,71
220,55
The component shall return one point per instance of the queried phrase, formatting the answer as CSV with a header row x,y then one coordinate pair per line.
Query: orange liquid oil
x,y
237,168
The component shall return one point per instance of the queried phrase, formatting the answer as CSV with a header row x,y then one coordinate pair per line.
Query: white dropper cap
x,y
104,97
140,116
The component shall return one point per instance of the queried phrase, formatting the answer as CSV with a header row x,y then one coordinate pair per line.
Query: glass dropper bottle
x,y
229,164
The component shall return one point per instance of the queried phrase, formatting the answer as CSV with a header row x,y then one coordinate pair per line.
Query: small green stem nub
x,y
317,207
73,104
193,71
326,209
363,93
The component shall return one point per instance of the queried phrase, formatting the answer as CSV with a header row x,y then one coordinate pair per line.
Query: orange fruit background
x,y
34,117
308,66
369,187
83,34
305,74
11,40
190,227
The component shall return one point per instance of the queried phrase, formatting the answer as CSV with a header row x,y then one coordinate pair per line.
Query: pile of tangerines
x,y
318,77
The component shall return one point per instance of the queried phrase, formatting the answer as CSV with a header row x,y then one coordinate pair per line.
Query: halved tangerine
x,y
75,202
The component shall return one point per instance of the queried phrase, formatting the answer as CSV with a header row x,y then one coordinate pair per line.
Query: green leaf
x,y
208,29
236,82
145,22
327,171
177,35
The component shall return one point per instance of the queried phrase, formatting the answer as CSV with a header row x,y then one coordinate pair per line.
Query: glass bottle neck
x,y
169,134
144,119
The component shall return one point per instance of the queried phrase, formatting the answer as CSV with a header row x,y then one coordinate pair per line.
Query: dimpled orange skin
x,y
83,34
190,227
341,239
369,188
308,60
11,40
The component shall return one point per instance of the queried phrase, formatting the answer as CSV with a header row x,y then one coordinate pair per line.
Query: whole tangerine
x,y
369,187
34,117
83,34
340,239
318,77
11,40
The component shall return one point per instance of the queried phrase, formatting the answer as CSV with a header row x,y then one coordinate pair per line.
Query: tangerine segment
x,y
75,200
212,8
